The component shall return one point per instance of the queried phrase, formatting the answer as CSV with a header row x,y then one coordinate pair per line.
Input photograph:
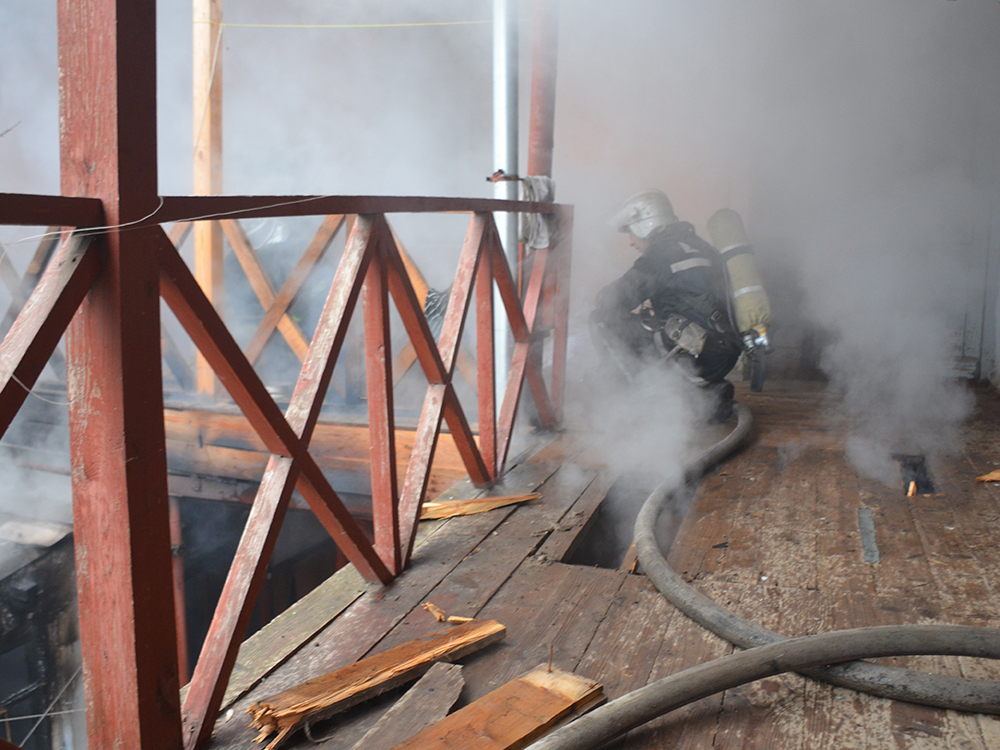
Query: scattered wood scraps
x,y
337,691
452,508
993,476
441,616
514,715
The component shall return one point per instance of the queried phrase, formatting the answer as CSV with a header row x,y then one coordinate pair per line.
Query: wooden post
x,y
208,266
107,94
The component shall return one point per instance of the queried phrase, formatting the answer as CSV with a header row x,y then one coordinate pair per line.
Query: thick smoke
x,y
855,141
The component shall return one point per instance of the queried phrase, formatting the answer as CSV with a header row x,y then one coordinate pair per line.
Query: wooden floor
x,y
773,534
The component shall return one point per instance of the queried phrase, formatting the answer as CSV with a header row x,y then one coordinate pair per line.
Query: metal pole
x,y
505,69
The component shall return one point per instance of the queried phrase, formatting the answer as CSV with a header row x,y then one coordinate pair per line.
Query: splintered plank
x,y
324,696
512,716
452,508
424,704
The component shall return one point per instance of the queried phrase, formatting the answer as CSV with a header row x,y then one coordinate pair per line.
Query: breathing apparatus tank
x,y
750,307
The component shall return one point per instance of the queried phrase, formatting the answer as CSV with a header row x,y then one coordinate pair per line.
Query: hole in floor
x,y
913,470
605,540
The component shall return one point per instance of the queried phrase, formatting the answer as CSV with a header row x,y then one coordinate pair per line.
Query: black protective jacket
x,y
679,273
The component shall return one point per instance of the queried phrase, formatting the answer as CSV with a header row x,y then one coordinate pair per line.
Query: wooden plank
x,y
550,610
769,712
180,290
565,538
685,645
468,588
249,566
381,415
840,556
24,209
177,207
121,523
35,334
452,508
424,704
512,716
206,110
788,534
629,639
414,488
270,646
698,549
324,696
364,624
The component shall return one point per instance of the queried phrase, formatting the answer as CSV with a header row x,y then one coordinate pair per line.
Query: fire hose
x,y
830,657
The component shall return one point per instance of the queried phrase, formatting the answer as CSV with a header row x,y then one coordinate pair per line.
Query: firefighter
x,y
671,305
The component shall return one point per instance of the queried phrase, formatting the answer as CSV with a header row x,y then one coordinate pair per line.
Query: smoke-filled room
x,y
499,374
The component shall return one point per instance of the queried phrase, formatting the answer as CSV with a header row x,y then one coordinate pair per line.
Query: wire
x,y
32,393
92,231
49,709
341,25
42,716
208,92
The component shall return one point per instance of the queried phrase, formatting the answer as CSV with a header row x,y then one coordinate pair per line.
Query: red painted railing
x,y
372,270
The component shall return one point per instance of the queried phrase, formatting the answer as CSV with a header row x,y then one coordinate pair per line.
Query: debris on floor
x,y
452,508
514,715
336,691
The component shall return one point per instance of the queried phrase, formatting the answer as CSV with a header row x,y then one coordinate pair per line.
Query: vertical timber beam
x,y
485,362
207,108
107,73
381,420
541,125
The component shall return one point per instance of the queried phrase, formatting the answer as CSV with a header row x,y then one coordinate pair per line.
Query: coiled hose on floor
x,y
769,652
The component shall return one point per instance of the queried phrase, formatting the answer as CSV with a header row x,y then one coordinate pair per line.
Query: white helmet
x,y
644,213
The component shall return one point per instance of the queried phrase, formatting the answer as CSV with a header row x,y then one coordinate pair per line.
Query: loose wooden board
x,y
452,508
512,716
336,691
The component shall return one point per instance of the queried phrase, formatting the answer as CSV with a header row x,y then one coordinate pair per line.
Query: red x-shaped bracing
x,y
370,268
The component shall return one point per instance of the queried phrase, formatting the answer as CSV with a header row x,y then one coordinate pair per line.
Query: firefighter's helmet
x,y
644,213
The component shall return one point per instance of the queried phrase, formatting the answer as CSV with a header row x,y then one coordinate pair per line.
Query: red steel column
x,y
107,67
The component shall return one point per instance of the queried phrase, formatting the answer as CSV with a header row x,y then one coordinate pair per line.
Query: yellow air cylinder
x,y
751,306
